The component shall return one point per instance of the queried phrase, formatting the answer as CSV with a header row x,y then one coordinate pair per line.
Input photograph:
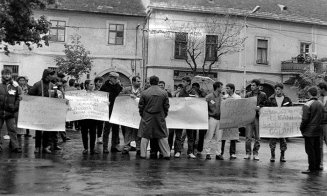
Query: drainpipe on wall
x,y
135,55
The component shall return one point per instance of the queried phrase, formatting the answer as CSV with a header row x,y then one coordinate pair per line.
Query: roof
x,y
304,11
120,7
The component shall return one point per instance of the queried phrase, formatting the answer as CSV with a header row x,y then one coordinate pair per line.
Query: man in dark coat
x,y
9,103
311,129
153,108
322,87
279,99
42,88
113,87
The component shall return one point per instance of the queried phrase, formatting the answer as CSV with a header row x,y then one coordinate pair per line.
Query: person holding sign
x,y
42,88
9,104
131,134
323,92
278,100
230,94
153,109
214,134
253,128
113,87
88,126
311,129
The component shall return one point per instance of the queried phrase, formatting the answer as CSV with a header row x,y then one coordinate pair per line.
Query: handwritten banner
x,y
237,112
87,105
42,113
282,122
184,113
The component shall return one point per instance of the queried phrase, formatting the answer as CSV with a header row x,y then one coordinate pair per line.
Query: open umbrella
x,y
204,82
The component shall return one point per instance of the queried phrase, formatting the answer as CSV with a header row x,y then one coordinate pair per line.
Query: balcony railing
x,y
295,67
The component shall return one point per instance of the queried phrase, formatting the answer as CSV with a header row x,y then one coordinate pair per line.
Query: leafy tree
x,y
228,40
306,80
76,60
17,24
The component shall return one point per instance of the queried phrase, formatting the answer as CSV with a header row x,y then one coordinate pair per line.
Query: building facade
x,y
273,35
111,31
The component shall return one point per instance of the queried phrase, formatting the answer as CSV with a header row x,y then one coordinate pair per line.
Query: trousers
x,y
163,145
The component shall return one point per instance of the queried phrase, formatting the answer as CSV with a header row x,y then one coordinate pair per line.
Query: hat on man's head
x,y
20,77
113,74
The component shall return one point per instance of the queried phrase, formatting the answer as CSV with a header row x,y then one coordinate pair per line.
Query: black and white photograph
x,y
163,97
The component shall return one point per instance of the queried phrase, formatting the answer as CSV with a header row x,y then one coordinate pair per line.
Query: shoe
x,y
94,152
219,157
177,155
233,156
161,156
138,153
100,140
308,171
6,137
153,156
57,148
282,156
17,150
282,159
47,150
132,149
256,157
125,152
321,168
272,159
208,157
142,157
191,156
85,151
166,158
248,156
37,150
105,151
115,150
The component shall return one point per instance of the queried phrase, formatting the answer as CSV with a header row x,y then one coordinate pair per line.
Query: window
x,y
116,34
262,51
304,48
181,45
14,70
211,47
57,30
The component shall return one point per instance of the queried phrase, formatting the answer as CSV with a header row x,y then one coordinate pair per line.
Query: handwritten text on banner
x,y
237,112
87,105
42,113
184,113
282,122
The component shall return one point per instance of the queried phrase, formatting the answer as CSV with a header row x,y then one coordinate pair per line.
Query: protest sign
x,y
282,122
87,105
237,112
230,134
184,113
42,113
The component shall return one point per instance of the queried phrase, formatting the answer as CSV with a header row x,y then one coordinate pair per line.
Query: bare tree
x,y
206,42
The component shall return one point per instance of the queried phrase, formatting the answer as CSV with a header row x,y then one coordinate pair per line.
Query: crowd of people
x,y
153,105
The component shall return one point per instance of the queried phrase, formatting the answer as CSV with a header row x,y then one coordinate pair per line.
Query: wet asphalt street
x,y
68,172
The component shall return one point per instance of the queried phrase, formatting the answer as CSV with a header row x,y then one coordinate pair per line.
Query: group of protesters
x,y
153,103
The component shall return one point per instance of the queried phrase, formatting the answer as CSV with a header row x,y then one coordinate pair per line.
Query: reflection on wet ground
x,y
69,172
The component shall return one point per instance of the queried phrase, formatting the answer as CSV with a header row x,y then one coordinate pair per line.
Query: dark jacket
x,y
185,93
113,90
37,90
214,102
153,109
311,118
324,121
273,103
261,99
9,100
